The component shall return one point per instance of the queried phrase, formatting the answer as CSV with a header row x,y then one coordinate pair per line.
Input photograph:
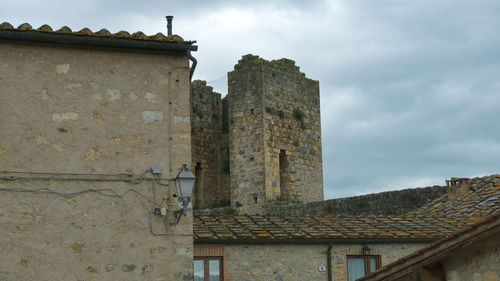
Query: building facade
x,y
472,253
84,117
349,243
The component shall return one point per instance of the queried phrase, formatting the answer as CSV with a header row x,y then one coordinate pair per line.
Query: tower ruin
x,y
265,137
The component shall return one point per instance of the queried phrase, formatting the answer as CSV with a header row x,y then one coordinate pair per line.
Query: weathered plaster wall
x,y
480,262
78,110
300,262
209,146
90,236
68,110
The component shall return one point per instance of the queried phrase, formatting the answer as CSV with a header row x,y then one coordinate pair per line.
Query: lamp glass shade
x,y
185,183
366,250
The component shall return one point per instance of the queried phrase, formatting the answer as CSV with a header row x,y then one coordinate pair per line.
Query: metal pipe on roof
x,y
169,24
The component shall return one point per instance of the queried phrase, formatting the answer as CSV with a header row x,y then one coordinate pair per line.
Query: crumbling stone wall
x,y
383,203
78,128
292,137
246,136
274,134
266,133
209,146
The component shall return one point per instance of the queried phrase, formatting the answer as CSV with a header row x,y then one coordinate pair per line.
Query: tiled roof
x,y
25,27
440,249
481,199
467,204
254,227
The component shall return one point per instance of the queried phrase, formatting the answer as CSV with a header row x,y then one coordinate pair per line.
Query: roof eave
x,y
457,241
315,241
95,41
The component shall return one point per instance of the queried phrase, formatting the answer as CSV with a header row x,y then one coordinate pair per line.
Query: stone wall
x,y
79,126
274,134
479,262
266,133
246,132
209,146
383,203
292,133
299,261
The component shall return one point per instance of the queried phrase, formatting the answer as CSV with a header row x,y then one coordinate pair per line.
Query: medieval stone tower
x,y
262,142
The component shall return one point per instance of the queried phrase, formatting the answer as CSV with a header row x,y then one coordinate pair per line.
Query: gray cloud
x,y
410,90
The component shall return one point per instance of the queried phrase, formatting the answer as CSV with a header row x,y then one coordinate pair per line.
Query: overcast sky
x,y
410,90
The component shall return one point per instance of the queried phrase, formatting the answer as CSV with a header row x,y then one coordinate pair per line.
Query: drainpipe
x,y
188,51
329,262
193,66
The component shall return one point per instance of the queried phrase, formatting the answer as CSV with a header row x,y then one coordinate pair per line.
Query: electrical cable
x,y
220,78
72,174
106,192
84,177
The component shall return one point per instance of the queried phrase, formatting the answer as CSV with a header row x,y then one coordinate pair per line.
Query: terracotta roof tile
x,y
101,33
431,253
481,200
224,227
434,220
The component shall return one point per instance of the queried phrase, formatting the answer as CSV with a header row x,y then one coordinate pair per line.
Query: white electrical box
x,y
322,268
156,170
163,211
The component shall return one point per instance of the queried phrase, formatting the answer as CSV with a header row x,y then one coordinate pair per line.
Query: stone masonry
x,y
209,146
266,134
300,261
383,203
275,134
78,128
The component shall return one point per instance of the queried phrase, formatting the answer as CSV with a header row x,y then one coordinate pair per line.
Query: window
x,y
285,179
208,269
359,266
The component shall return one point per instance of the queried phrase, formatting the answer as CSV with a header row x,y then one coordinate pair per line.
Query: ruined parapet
x,y
275,134
388,203
209,146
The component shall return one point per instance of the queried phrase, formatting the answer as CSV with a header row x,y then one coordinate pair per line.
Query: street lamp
x,y
184,183
366,251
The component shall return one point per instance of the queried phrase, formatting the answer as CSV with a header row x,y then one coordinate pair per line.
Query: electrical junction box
x,y
322,268
163,211
156,169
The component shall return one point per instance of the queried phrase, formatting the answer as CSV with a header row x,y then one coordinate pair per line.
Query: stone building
x,y
260,143
84,116
94,127
346,243
257,154
210,150
472,253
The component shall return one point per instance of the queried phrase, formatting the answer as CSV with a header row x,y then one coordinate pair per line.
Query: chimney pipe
x,y
169,24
